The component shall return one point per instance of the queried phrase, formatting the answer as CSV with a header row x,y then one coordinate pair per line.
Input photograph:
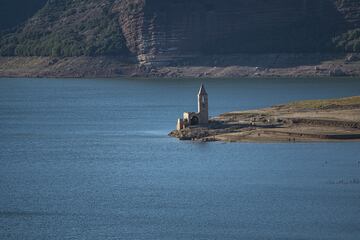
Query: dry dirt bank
x,y
270,65
318,120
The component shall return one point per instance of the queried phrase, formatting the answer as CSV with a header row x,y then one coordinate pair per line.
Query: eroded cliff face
x,y
163,31
163,28
350,11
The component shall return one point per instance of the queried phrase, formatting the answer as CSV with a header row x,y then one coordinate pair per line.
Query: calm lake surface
x,y
91,159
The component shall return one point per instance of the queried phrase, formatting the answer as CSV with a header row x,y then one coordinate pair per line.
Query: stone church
x,y
201,117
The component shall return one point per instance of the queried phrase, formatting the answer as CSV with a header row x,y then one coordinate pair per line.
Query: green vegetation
x,y
66,28
349,41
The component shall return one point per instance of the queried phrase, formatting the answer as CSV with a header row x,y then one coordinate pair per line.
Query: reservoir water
x,y
91,159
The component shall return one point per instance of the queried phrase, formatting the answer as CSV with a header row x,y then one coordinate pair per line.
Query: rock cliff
x,y
162,28
350,11
188,32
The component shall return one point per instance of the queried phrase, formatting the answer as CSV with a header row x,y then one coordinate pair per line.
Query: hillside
x,y
64,28
187,33
11,15
230,26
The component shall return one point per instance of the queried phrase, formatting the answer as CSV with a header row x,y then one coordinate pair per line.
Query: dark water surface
x,y
90,159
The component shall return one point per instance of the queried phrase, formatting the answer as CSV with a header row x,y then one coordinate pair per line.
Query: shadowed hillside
x,y
14,12
230,26
187,32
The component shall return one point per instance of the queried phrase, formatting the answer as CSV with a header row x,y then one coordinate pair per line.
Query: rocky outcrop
x,y
350,11
131,19
169,28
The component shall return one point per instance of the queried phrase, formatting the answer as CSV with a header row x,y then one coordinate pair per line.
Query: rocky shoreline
x,y
305,121
230,66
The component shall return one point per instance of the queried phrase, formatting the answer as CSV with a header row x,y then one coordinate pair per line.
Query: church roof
x,y
202,90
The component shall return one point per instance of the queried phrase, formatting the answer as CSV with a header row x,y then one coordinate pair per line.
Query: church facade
x,y
201,117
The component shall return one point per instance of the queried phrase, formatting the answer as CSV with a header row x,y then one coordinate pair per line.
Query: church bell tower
x,y
203,105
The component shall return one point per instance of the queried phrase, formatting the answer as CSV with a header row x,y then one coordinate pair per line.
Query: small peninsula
x,y
303,121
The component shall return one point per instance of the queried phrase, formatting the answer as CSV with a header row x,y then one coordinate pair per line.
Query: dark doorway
x,y
194,120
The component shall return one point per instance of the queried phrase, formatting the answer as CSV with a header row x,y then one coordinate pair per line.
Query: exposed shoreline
x,y
235,66
304,121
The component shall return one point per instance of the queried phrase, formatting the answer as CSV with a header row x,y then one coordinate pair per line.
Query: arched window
x,y
194,120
